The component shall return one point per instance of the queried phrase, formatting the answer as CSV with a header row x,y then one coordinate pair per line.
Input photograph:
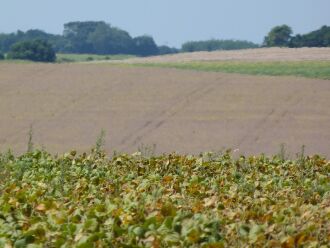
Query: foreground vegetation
x,y
309,69
171,200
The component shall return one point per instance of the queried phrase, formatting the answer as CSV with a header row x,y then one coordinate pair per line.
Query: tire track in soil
x,y
133,138
266,123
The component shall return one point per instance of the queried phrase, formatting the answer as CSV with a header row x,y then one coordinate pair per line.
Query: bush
x,y
2,57
37,50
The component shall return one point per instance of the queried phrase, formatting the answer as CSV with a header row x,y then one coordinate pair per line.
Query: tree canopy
x,y
317,38
38,50
282,36
278,36
97,38
91,37
145,46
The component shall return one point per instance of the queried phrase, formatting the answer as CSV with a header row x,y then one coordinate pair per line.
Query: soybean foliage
x,y
172,200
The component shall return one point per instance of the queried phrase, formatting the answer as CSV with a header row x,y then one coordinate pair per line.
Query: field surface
x,y
257,54
178,110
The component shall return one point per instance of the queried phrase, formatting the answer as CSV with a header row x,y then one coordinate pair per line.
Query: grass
x,y
61,57
16,61
72,58
211,200
309,69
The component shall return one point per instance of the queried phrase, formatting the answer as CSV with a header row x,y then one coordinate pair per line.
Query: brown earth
x,y
259,54
182,111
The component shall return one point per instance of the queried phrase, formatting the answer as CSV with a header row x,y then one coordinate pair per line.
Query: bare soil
x,y
182,111
258,54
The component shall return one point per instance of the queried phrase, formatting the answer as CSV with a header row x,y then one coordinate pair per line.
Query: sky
x,y
170,22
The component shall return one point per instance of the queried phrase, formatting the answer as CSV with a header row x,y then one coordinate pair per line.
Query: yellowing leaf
x,y
210,202
167,179
289,242
41,207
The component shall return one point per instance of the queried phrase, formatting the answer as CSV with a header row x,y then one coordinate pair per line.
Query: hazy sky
x,y
170,22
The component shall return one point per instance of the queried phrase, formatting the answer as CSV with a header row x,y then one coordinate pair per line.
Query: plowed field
x,y
183,111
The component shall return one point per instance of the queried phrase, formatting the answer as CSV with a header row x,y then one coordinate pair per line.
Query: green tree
x,y
121,42
37,50
98,38
109,40
2,57
317,38
213,45
145,46
278,36
167,50
7,40
77,34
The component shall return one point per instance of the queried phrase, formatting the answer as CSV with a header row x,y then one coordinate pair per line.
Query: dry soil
x,y
183,111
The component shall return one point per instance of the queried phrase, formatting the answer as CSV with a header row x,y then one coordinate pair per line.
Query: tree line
x,y
89,37
101,38
213,45
281,36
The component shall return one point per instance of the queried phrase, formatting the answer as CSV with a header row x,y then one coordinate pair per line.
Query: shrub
x,y
2,56
37,50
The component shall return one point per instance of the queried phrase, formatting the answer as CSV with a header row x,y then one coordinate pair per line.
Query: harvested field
x,y
258,54
182,111
309,69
